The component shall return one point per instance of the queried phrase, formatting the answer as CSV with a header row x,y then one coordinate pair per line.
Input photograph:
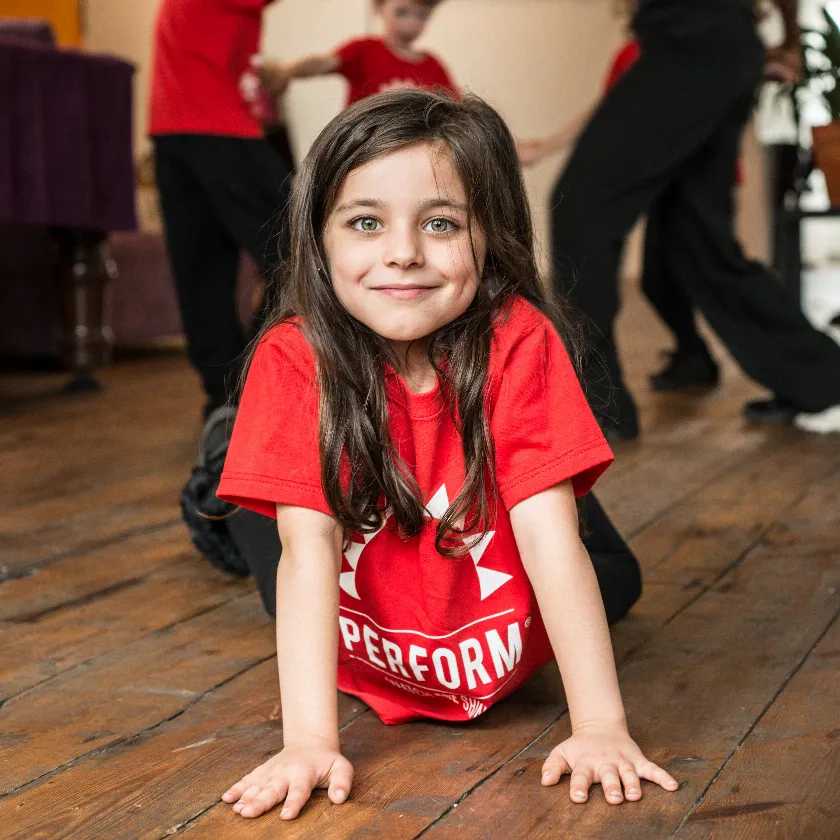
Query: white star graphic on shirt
x,y
489,580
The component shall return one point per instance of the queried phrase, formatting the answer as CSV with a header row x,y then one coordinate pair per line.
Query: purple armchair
x,y
66,182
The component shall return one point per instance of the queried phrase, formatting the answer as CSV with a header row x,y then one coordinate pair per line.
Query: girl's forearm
x,y
561,573
307,640
580,638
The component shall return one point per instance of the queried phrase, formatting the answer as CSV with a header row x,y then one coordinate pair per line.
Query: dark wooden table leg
x,y
85,270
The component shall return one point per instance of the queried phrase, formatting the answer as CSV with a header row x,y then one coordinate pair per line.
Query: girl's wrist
x,y
608,721
309,737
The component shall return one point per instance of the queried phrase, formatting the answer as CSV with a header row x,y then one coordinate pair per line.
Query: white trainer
x,y
820,422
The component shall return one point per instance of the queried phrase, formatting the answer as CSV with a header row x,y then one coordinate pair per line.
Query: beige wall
x,y
538,61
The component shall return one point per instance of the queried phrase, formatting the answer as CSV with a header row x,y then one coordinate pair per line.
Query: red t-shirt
x,y
201,48
371,67
422,635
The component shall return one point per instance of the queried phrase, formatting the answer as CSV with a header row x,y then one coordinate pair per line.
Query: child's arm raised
x,y
600,749
276,75
532,151
307,661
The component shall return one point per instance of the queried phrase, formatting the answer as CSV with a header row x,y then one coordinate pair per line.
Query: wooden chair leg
x,y
85,270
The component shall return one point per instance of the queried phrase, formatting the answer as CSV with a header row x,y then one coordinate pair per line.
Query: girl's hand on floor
x,y
292,775
605,755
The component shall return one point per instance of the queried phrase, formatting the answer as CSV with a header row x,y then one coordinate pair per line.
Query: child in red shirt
x,y
372,65
222,187
412,419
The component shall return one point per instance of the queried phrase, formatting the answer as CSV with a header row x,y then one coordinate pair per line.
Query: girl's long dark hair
x,y
362,474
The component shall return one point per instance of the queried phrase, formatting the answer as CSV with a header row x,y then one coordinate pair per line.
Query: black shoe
x,y
774,410
686,370
205,514
212,405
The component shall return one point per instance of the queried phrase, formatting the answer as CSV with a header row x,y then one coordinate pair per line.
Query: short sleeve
x,y
273,456
543,429
351,57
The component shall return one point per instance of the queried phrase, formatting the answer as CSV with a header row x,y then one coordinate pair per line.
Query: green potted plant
x,y
821,71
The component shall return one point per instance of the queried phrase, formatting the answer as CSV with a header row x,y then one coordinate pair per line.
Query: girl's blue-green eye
x,y
441,225
366,224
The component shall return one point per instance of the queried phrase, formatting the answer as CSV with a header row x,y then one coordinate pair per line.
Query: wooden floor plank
x,y
36,536
687,549
33,651
146,788
754,797
781,782
82,575
128,690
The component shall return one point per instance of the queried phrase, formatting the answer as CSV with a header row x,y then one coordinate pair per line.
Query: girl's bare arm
x,y
307,623
532,151
559,568
561,573
307,662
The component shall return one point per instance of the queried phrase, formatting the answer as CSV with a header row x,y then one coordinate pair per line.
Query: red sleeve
x,y
543,429
273,455
351,58
625,58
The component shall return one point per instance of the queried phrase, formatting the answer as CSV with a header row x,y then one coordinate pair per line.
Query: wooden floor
x,y
137,683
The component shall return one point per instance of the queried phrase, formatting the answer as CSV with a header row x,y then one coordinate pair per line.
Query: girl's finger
x,y
553,768
341,780
250,792
580,784
611,784
296,798
266,799
654,773
630,780
233,793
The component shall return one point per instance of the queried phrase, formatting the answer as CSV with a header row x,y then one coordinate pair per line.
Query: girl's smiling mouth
x,y
405,291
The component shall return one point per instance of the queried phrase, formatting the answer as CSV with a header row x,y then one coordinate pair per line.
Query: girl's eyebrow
x,y
428,204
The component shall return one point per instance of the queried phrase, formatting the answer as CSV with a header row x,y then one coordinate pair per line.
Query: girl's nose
x,y
403,249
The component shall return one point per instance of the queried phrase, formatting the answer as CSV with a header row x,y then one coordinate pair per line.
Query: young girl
x,y
373,65
413,420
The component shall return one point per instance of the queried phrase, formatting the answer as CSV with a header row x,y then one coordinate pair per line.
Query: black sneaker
x,y
773,410
205,514
686,370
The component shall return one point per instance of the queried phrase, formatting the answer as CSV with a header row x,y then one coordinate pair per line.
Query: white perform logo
x,y
489,580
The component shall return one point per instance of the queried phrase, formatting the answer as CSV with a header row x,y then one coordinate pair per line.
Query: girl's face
x,y
402,257
403,21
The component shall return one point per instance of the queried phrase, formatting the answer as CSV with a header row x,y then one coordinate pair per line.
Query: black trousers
x,y
669,133
219,196
666,295
616,568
